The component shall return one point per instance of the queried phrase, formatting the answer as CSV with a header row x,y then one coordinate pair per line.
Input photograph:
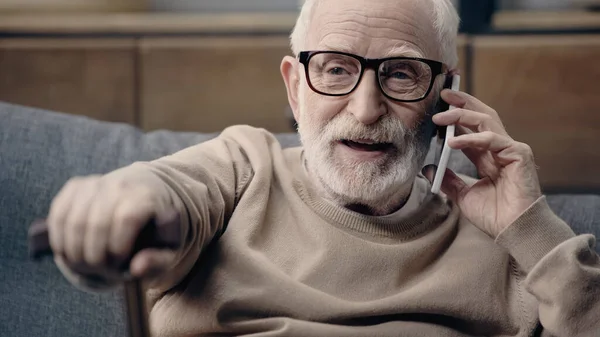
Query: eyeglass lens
x,y
337,74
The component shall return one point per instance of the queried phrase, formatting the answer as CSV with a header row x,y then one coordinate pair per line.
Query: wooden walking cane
x,y
158,233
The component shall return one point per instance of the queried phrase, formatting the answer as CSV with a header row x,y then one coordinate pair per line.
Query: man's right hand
x,y
93,225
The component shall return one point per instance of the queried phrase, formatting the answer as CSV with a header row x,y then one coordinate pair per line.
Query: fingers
x,y
76,220
149,263
59,210
99,223
452,185
480,133
475,121
94,223
487,140
516,152
130,216
463,100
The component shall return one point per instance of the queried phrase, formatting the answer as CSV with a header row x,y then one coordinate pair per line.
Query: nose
x,y
366,102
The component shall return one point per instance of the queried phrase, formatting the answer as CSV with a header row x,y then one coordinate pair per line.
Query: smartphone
x,y
443,137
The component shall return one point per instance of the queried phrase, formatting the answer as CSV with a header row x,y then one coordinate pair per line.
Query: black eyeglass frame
x,y
437,68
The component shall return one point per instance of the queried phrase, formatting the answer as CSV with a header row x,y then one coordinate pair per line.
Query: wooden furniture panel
x,y
207,84
93,77
463,59
546,90
540,20
71,5
147,23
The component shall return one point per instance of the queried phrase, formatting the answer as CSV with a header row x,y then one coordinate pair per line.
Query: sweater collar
x,y
421,213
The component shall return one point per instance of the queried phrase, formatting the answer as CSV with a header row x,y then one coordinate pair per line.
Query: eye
x,y
400,75
399,71
337,71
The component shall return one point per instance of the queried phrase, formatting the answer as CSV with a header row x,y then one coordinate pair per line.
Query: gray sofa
x,y
40,150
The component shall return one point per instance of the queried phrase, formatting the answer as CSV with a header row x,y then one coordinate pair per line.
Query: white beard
x,y
375,184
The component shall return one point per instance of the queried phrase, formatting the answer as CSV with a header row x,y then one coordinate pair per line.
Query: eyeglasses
x,y
404,79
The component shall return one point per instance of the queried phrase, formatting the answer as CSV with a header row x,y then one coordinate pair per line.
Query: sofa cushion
x,y
41,150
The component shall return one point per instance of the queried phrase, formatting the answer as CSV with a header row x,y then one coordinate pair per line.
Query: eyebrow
x,y
344,48
403,50
399,50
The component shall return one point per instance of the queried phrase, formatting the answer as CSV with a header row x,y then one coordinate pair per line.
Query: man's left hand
x,y
508,183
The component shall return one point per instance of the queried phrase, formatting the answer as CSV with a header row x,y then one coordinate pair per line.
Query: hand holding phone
x,y
446,150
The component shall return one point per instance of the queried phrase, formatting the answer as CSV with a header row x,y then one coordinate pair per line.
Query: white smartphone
x,y
446,150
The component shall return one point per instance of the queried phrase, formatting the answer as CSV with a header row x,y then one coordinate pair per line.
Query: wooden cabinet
x,y
207,84
91,77
546,90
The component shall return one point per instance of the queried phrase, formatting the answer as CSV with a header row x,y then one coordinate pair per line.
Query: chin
x,y
360,180
354,163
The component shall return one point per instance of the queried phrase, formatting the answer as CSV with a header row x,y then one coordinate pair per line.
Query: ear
x,y
291,76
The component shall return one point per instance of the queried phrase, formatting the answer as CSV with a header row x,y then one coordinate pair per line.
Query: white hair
x,y
445,22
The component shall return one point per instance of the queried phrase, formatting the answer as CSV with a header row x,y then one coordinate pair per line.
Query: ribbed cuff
x,y
534,234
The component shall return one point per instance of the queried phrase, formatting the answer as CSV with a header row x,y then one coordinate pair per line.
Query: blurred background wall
x,y
193,65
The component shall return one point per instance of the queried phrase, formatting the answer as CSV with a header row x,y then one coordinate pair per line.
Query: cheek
x,y
321,109
410,115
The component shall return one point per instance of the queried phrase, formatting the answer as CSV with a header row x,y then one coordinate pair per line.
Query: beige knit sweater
x,y
266,256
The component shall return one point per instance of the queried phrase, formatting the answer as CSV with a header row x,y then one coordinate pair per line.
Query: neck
x,y
385,204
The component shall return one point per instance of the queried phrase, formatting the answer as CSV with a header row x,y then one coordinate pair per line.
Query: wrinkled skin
x,y
380,185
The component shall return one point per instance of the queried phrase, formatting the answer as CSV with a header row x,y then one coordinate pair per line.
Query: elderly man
x,y
341,237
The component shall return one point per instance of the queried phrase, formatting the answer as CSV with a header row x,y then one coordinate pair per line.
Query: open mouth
x,y
367,145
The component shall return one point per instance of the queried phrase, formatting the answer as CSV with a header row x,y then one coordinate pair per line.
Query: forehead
x,y
374,28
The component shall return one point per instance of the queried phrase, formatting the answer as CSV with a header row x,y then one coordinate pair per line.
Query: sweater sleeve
x,y
563,271
203,183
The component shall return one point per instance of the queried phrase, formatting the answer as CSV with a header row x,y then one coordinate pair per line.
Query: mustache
x,y
385,130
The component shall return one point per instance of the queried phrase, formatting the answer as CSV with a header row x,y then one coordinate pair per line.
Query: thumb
x,y
151,263
452,185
